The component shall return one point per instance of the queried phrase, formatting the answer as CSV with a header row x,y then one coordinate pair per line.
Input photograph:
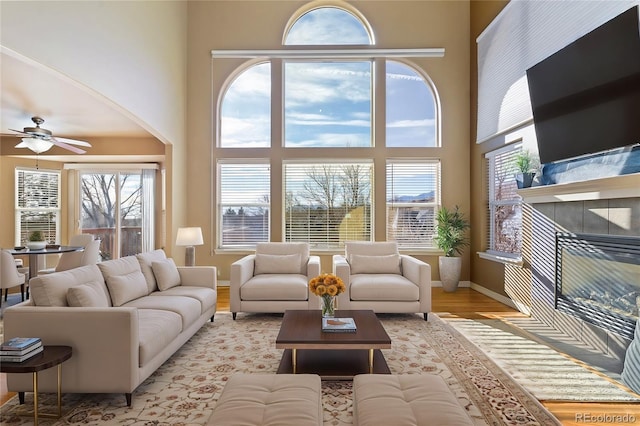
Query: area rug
x,y
184,390
548,374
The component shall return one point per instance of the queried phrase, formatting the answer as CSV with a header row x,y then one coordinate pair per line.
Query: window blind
x,y
523,34
328,203
413,196
37,204
243,203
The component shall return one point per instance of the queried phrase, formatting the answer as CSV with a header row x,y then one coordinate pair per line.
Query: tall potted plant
x,y
451,238
526,163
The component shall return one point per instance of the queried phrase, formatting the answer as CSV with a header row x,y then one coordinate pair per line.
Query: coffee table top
x,y
302,329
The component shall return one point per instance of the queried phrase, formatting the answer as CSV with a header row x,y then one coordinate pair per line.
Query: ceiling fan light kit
x,y
40,140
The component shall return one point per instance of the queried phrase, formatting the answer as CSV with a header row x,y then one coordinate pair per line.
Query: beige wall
x,y
483,272
260,25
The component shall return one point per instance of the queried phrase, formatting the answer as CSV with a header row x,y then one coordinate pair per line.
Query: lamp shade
x,y
191,236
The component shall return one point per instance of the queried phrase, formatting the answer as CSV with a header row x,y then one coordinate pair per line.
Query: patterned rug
x,y
183,391
548,374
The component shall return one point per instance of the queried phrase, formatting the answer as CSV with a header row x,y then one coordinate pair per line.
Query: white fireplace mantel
x,y
625,186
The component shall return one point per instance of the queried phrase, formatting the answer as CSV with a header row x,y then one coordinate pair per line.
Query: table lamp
x,y
189,237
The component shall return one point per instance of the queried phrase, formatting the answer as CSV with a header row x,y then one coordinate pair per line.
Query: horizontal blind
x,y
243,203
328,203
523,34
37,204
505,211
412,196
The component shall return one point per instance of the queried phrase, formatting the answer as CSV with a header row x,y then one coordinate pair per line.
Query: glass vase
x,y
328,306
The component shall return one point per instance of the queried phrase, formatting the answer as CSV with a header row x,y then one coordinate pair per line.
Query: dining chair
x,y
73,259
10,276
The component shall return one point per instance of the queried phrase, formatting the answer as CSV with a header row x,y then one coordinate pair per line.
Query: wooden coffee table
x,y
333,356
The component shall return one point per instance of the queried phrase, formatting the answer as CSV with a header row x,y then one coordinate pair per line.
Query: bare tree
x,y
354,185
322,186
99,200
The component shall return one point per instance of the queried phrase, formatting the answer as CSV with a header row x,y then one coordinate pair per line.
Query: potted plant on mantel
x,y
451,238
36,241
526,163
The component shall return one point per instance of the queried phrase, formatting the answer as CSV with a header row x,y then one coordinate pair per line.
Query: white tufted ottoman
x,y
270,400
412,399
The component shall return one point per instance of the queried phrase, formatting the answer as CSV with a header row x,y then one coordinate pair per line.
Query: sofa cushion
x,y
269,400
277,264
187,307
367,248
384,287
275,287
285,249
157,329
206,296
363,264
87,296
146,259
51,289
166,274
406,400
124,279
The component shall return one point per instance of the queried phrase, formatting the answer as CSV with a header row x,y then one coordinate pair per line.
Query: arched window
x,y
309,120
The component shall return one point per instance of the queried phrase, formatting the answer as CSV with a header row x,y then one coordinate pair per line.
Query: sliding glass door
x,y
117,207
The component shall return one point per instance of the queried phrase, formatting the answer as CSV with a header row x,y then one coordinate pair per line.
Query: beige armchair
x,y
378,277
274,279
10,276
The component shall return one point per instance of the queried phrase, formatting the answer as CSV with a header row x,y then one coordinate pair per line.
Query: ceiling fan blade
x,y
21,133
71,141
67,146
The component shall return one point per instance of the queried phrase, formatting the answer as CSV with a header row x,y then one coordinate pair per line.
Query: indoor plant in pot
x,y
36,241
451,238
526,163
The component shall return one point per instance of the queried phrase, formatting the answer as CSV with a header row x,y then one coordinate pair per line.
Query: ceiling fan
x,y
40,140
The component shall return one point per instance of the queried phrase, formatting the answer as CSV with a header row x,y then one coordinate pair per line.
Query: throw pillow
x,y
277,264
166,274
86,296
361,264
125,288
146,259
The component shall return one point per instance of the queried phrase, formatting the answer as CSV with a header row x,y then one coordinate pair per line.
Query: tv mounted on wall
x,y
586,97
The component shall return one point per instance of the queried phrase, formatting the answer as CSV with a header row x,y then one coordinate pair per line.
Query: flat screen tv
x,y
586,97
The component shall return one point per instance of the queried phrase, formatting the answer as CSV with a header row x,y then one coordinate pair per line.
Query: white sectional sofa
x,y
123,318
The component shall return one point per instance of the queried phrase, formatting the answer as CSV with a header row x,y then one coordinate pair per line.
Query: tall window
x,y
505,205
117,207
243,203
37,205
413,197
309,120
328,203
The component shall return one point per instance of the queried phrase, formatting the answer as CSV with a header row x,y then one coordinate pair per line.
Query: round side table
x,y
51,356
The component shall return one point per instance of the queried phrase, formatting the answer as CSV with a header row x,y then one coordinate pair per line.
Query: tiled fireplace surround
x,y
604,206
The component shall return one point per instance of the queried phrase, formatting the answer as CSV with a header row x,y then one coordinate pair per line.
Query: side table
x,y
51,356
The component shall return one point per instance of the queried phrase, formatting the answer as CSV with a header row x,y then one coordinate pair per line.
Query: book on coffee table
x,y
338,325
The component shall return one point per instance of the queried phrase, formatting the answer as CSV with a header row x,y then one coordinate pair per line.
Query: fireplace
x,y
598,280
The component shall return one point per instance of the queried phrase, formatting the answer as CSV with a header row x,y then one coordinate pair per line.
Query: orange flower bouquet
x,y
327,286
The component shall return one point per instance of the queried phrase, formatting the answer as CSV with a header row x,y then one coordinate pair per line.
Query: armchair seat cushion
x,y
275,287
384,287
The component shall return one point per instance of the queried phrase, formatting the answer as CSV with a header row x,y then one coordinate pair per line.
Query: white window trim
x,y
330,53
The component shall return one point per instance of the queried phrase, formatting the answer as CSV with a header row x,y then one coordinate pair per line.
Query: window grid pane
x,y
412,201
328,104
505,205
327,204
37,204
243,204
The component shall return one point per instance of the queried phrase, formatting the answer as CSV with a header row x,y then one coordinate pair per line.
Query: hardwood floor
x,y
468,303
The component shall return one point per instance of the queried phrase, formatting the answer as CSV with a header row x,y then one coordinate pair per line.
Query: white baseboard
x,y
495,296
224,283
461,284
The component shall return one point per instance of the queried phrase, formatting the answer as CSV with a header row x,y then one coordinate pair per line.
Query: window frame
x,y
18,237
491,253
